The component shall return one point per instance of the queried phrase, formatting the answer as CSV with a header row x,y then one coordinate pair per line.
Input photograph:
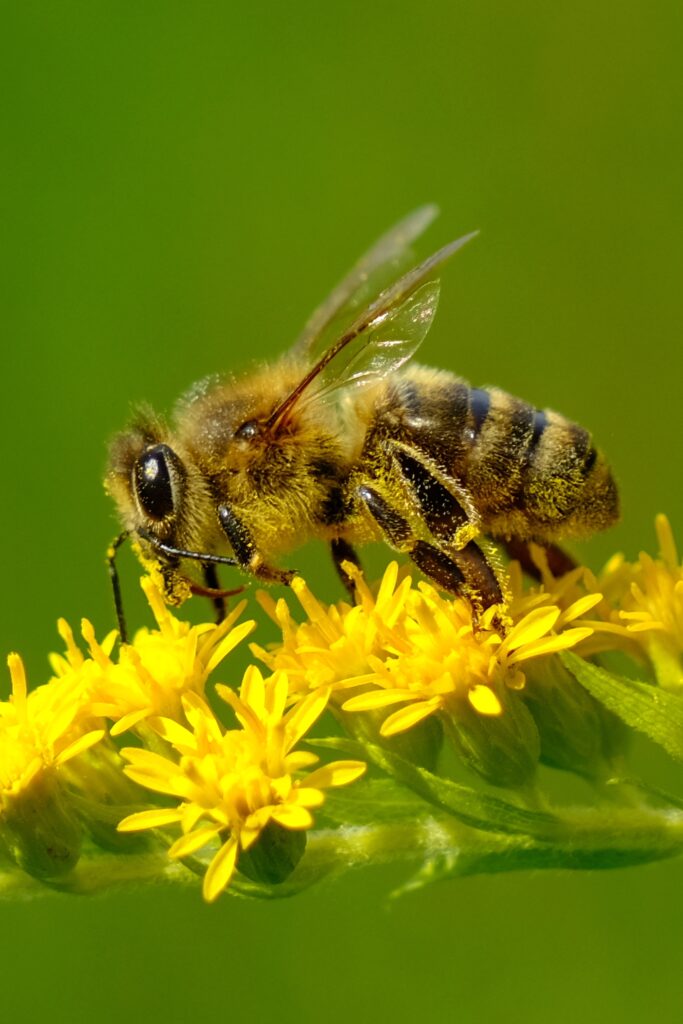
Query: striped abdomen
x,y
530,473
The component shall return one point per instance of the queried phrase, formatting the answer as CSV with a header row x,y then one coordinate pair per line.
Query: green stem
x,y
585,839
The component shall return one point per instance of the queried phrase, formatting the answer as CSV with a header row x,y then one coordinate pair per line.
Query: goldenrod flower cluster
x,y
220,780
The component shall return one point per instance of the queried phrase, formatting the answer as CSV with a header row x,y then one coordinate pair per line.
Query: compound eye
x,y
153,485
248,431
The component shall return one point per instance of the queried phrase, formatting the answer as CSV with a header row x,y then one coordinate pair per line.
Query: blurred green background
x,y
182,183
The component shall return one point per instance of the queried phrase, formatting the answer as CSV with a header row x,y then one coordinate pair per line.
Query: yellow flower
x,y
233,783
153,672
335,645
40,730
412,646
650,605
451,656
41,735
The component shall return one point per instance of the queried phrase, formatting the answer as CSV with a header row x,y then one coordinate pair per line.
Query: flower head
x,y
40,730
642,611
334,646
232,784
413,647
152,673
652,608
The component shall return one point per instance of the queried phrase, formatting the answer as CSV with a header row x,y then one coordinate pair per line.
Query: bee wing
x,y
381,349
379,341
367,278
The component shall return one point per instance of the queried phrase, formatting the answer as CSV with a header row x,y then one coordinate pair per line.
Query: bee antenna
x,y
196,556
112,551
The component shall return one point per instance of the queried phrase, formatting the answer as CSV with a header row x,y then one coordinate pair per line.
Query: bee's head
x,y
166,508
161,496
147,479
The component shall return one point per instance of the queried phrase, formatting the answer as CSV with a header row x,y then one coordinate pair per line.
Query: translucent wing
x,y
380,265
386,344
379,341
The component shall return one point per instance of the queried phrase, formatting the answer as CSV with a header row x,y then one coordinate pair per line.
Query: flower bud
x,y
504,748
105,794
421,744
577,733
40,829
274,855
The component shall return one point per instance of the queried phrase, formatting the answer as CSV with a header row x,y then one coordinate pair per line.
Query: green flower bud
x,y
274,855
504,749
577,734
40,829
103,795
421,744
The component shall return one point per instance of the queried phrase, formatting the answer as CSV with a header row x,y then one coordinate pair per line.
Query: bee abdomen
x,y
568,486
501,434
533,470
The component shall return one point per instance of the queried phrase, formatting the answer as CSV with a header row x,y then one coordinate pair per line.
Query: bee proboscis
x,y
342,438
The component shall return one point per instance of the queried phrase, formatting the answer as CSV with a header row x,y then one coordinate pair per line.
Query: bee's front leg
x,y
248,557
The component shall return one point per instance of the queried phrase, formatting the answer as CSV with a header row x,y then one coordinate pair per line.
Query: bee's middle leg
x,y
213,583
343,552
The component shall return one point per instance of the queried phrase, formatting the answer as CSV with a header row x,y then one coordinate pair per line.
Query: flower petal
x,y
374,699
193,841
156,818
228,643
337,773
534,625
484,700
409,716
292,816
84,742
304,714
220,870
550,644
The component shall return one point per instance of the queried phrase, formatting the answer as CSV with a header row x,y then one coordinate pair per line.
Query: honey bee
x,y
342,439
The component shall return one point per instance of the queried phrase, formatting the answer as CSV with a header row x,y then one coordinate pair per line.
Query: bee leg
x,y
459,572
244,549
343,552
112,551
559,561
444,516
213,583
439,508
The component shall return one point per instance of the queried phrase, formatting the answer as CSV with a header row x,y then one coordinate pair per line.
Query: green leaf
x,y
370,802
474,809
647,708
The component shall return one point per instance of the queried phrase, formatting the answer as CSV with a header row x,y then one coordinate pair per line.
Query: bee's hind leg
x,y
445,517
559,561
459,572
343,552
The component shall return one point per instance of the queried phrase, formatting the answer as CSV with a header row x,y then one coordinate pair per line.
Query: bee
x,y
345,440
